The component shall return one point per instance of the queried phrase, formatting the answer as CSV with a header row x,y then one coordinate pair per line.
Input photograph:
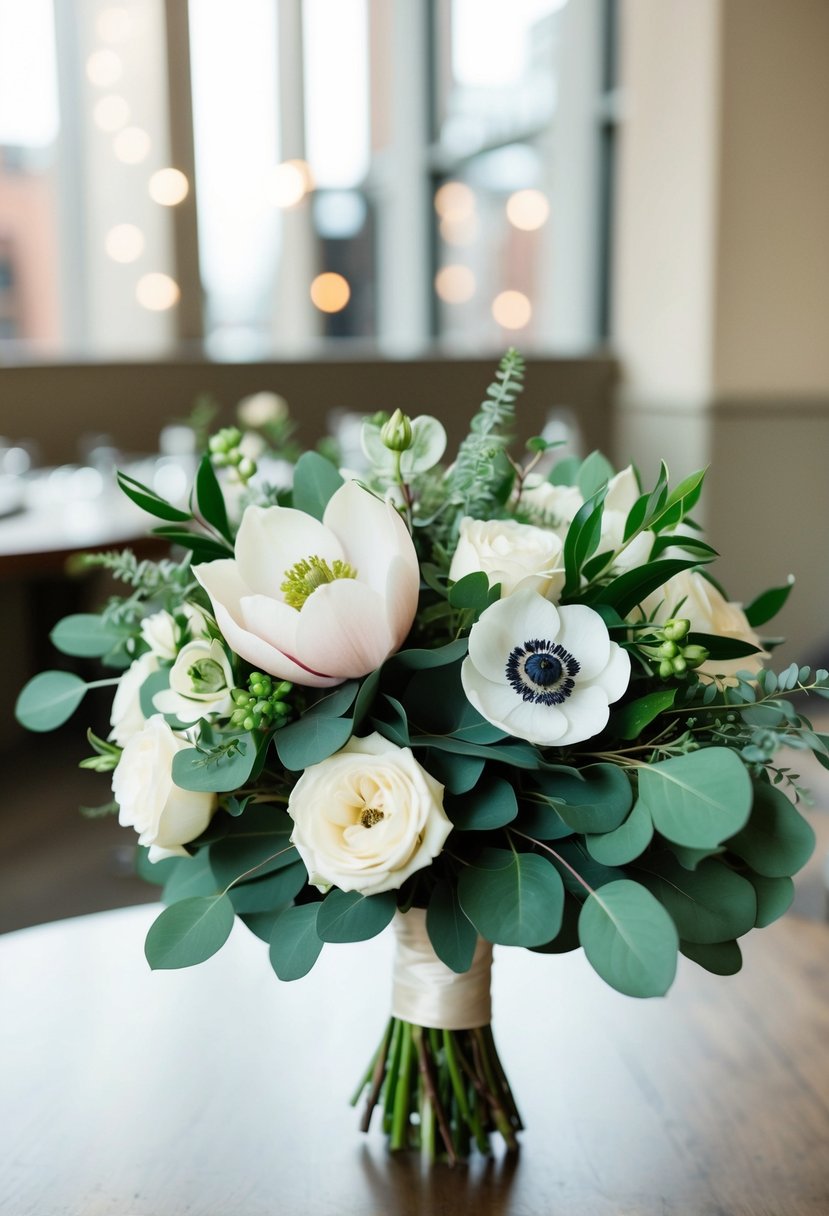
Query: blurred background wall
x,y
337,199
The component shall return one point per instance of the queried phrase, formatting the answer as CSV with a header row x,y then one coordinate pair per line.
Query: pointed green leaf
x,y
211,500
295,944
349,916
629,721
629,939
316,480
149,501
451,933
595,471
189,932
767,605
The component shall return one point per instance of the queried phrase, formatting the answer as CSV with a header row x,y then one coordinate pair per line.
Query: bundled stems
x,y
440,1091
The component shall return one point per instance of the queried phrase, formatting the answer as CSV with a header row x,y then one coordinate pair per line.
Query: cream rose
x,y
127,718
165,816
554,506
201,680
367,817
511,554
690,595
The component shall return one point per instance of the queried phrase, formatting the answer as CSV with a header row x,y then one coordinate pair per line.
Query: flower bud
x,y
694,655
246,468
675,629
666,669
397,432
679,665
668,650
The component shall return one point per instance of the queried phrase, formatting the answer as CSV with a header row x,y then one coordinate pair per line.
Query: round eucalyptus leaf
x,y
777,841
451,933
515,899
629,939
49,699
721,958
627,842
189,932
700,799
348,916
710,904
295,944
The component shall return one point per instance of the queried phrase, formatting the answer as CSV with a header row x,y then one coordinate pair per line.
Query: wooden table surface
x,y
221,1091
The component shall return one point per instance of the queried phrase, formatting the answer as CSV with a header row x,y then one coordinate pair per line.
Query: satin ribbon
x,y
426,992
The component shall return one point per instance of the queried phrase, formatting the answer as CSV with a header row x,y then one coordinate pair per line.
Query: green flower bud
x,y
246,468
397,432
231,435
679,665
666,669
668,650
234,457
216,443
676,629
694,655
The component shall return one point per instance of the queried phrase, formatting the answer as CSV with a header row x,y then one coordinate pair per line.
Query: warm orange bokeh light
x,y
527,209
330,292
455,284
512,309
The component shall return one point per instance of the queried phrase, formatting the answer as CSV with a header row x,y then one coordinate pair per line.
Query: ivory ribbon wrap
x,y
428,993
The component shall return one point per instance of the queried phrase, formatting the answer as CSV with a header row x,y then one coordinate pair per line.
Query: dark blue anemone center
x,y
542,671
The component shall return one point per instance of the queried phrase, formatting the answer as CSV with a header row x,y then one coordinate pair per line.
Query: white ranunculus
x,y
201,680
367,817
554,506
126,717
510,553
541,673
317,602
161,633
690,595
165,816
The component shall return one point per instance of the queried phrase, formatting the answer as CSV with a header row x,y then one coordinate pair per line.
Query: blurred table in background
x,y
221,1091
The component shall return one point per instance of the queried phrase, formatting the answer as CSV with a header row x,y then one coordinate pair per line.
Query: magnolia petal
x,y
268,658
271,620
372,535
344,630
401,594
273,539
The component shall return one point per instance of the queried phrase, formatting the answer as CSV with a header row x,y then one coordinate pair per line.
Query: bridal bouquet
x,y
489,703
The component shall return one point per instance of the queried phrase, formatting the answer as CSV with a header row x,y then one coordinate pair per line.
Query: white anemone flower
x,y
317,602
542,673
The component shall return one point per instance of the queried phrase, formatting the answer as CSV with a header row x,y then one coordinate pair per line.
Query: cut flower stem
x,y
440,1091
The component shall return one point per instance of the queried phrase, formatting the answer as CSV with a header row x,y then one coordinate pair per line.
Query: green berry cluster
x,y
225,452
672,658
261,704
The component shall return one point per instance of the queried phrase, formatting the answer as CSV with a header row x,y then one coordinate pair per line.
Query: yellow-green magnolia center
x,y
307,575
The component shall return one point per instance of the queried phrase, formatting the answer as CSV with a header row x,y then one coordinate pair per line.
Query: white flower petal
x,y
501,705
343,627
587,712
622,491
615,677
273,539
266,657
510,622
584,634
271,620
372,534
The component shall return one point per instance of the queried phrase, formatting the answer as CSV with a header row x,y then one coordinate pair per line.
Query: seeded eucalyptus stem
x,y
440,1091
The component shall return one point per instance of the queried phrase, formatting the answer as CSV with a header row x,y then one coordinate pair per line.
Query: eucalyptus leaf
x,y
774,897
189,876
349,916
699,799
273,891
491,804
336,702
626,842
452,934
471,592
49,699
597,801
629,939
295,944
721,958
189,932
424,660
204,773
86,635
777,841
514,899
256,844
458,774
311,739
710,904
316,480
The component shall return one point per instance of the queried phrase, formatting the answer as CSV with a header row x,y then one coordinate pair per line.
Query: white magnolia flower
x,y
201,680
367,817
126,717
690,595
541,673
510,553
165,816
317,603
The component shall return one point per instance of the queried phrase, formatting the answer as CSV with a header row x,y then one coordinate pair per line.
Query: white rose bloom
x,y
556,505
200,682
541,673
622,492
161,633
510,553
367,817
690,595
165,816
260,409
126,718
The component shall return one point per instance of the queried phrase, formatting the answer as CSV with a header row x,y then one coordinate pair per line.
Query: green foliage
x,y
151,502
777,841
710,904
189,932
315,481
219,769
451,933
211,501
86,635
254,845
349,916
629,939
698,800
491,804
515,899
626,842
720,958
295,944
311,739
49,700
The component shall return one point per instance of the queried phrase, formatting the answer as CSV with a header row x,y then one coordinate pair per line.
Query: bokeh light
x,y
455,284
168,187
132,145
330,292
124,243
527,209
157,292
512,309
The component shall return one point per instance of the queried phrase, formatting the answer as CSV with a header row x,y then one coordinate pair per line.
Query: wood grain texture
x,y
222,1091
